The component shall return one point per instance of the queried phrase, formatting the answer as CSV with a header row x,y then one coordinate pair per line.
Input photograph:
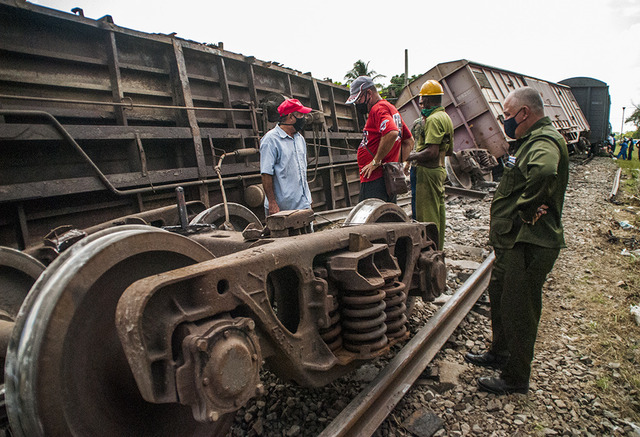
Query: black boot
x,y
486,359
500,386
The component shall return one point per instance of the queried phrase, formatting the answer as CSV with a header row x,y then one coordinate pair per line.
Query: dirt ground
x,y
588,299
586,371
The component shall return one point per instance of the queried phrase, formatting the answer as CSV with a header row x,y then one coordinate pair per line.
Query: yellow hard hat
x,y
431,88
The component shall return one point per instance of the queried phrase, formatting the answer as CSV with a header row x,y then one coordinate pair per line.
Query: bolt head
x,y
201,344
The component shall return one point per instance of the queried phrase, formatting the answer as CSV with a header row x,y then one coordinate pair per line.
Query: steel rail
x,y
616,185
368,409
337,215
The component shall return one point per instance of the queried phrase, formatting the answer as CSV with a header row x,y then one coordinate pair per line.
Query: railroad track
x,y
368,410
338,215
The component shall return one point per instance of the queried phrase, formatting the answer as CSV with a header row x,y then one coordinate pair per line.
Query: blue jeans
x,y
623,152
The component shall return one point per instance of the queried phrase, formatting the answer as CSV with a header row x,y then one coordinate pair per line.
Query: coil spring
x,y
332,333
396,308
484,159
363,320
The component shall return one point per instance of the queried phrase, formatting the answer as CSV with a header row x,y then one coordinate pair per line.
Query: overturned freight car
x,y
98,121
473,97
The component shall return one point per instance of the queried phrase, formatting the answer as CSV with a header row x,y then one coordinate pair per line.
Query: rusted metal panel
x,y
187,102
474,95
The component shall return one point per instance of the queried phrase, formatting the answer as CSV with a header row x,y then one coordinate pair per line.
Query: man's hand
x,y
542,210
368,169
273,207
407,167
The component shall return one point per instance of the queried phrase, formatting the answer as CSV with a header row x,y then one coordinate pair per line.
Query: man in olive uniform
x,y
433,140
527,235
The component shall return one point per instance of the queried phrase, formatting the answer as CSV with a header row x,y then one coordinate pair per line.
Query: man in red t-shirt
x,y
385,138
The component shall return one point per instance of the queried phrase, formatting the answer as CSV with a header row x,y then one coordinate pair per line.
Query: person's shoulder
x,y
385,107
440,118
441,115
275,132
272,136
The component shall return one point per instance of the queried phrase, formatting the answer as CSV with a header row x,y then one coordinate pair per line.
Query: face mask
x,y
298,125
427,111
363,108
510,125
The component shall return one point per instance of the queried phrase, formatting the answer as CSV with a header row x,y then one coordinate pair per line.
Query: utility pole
x,y
406,67
622,127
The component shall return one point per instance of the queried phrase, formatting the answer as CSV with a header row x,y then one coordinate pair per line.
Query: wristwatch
x,y
376,163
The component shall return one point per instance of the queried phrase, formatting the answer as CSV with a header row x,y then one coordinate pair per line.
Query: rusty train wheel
x,y
375,211
239,216
18,273
66,372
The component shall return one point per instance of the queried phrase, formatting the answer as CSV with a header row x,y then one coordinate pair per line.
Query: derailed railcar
x,y
474,95
595,102
99,121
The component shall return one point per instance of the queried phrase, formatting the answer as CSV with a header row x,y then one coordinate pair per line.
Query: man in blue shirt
x,y
283,161
623,149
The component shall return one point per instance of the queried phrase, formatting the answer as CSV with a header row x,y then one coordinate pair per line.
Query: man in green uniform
x,y
527,235
434,140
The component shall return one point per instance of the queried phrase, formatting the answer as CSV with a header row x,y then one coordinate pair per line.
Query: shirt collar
x,y
544,121
283,134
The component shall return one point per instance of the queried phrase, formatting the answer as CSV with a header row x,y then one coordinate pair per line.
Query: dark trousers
x,y
375,189
515,292
413,179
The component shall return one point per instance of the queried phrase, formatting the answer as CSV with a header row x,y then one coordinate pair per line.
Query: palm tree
x,y
360,68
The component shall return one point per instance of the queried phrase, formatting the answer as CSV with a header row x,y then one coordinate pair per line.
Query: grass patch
x,y
626,165
603,383
598,298
631,170
538,427
635,381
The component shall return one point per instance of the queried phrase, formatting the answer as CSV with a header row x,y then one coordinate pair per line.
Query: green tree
x,y
360,68
392,91
635,119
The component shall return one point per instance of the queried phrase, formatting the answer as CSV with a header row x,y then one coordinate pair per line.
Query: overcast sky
x,y
548,39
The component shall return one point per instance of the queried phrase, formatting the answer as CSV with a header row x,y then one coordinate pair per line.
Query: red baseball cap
x,y
292,105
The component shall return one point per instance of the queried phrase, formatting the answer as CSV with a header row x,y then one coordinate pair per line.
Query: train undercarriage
x,y
139,330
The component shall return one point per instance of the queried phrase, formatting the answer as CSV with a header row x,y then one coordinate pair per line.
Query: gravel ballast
x,y
583,381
